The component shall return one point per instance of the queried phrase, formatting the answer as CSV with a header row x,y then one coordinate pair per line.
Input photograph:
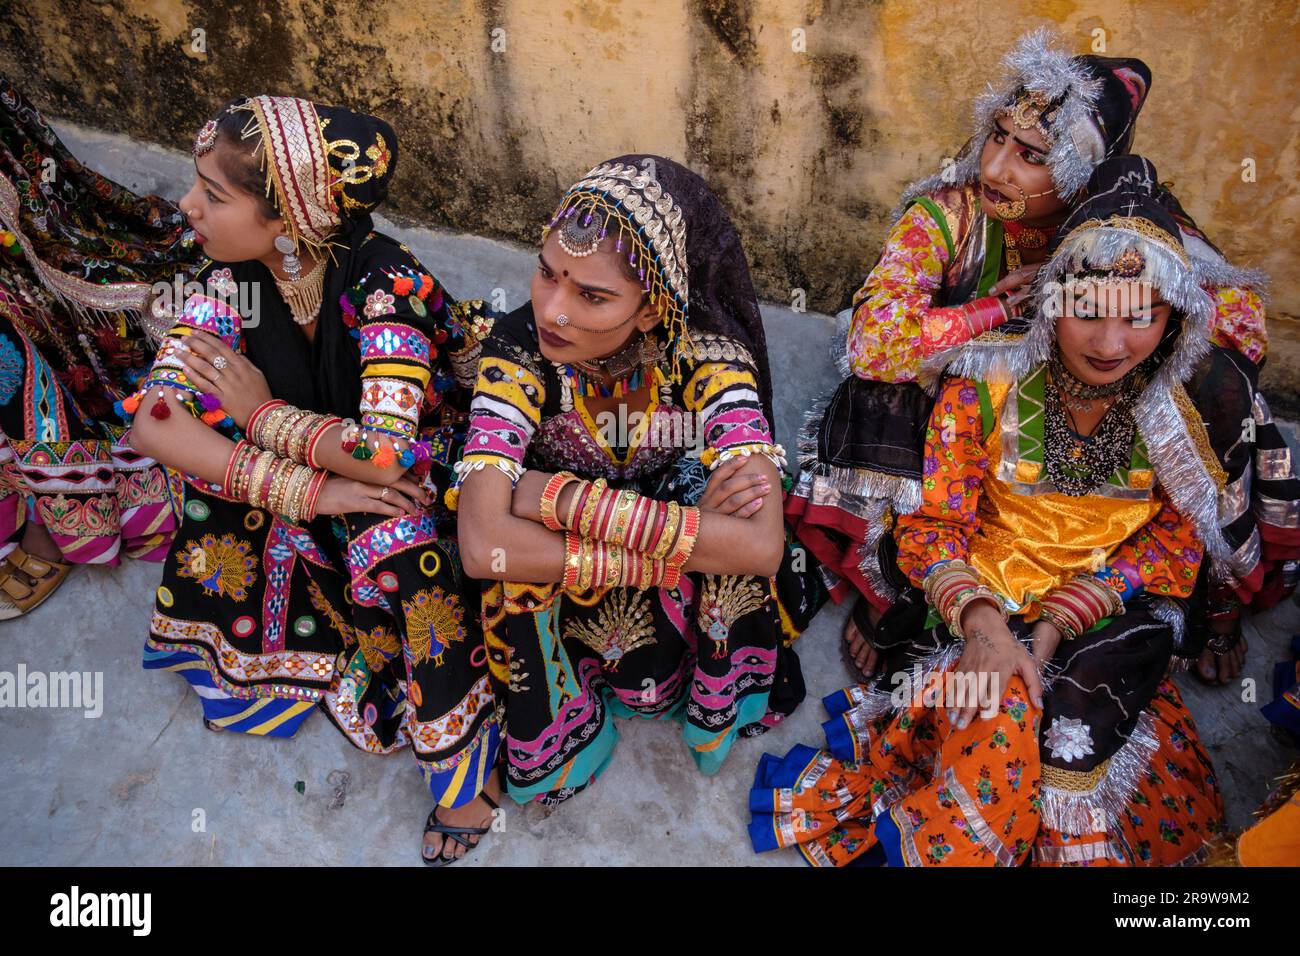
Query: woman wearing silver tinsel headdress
x,y
949,291
1065,512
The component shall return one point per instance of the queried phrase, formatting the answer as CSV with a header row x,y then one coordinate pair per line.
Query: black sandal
x,y
434,825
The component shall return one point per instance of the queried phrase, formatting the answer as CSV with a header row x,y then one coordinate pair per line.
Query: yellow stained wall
x,y
499,104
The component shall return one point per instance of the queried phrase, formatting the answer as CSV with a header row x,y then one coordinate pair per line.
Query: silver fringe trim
x,y
997,361
1171,613
1213,270
902,494
1102,245
870,702
869,553
840,342
1039,62
1074,812
1178,466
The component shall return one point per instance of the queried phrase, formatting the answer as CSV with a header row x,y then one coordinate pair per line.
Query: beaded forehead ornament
x,y
647,224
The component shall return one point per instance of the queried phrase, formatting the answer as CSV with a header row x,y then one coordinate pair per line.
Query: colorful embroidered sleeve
x,y
954,466
722,393
1163,557
212,313
505,412
393,310
895,325
1238,322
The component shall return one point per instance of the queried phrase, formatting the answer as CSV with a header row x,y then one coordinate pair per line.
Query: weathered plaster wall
x,y
500,103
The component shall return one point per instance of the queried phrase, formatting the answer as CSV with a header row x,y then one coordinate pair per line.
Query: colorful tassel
x,y
383,457
159,409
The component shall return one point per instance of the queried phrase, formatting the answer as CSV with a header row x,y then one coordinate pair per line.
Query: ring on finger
x,y
383,494
219,362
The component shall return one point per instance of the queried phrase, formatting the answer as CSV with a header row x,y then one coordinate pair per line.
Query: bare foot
x,y
1222,669
37,541
476,813
858,649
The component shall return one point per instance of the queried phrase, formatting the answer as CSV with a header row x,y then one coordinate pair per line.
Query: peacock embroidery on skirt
x,y
434,621
623,623
725,600
224,565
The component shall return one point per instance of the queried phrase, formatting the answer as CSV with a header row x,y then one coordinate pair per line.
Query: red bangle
x,y
261,410
572,552
230,465
603,511
637,525
984,314
658,530
551,497
313,494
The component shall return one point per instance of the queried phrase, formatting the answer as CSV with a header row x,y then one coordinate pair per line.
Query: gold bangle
x,y
573,502
257,480
668,537
623,509
589,508
279,479
587,568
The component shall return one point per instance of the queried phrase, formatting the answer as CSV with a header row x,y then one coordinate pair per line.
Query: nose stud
x,y
561,320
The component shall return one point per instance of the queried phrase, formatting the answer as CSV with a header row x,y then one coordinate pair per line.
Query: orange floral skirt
x,y
928,794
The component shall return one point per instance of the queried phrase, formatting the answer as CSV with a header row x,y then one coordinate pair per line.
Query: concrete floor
x,y
145,784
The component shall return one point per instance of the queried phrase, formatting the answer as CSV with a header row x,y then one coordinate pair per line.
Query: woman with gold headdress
x,y
622,489
949,290
1063,521
315,564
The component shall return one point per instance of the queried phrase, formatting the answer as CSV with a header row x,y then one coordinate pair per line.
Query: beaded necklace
x,y
1080,464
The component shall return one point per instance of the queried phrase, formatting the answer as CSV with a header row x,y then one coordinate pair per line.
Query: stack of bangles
x,y
265,480
619,538
986,313
289,432
1079,604
951,586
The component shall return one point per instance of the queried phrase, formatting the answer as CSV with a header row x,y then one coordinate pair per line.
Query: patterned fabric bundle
x,y
78,258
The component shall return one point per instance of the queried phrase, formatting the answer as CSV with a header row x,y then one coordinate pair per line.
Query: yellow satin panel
x,y
1027,545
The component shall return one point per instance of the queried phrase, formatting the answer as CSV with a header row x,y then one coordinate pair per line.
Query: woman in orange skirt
x,y
1024,713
